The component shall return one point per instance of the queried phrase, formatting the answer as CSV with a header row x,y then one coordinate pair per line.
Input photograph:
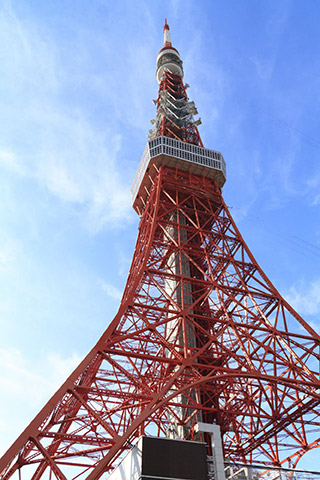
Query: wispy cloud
x,y
312,189
47,135
274,28
111,290
8,251
316,200
305,297
264,66
29,383
9,161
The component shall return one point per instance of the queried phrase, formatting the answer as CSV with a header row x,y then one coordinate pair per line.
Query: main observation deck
x,y
176,154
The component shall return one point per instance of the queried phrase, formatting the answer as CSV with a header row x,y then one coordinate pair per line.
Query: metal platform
x,y
173,153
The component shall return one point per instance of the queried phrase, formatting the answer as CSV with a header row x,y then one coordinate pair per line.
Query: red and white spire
x,y
166,34
175,113
168,58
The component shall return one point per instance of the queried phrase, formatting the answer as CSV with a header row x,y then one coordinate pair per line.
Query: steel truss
x,y
174,117
253,367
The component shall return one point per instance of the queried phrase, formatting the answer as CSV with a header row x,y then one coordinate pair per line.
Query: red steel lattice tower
x,y
201,334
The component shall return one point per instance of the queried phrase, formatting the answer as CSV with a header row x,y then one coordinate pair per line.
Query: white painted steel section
x,y
170,62
181,150
217,452
131,466
169,50
140,172
166,35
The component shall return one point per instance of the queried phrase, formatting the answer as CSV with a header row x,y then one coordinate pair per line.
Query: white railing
x,y
250,472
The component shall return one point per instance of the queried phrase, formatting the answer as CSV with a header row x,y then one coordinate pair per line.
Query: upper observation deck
x,y
173,153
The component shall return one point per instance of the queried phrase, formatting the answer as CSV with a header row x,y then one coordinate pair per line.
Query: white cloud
x,y
8,251
305,298
8,160
59,180
60,367
25,386
111,290
315,200
48,136
264,66
22,378
124,261
27,52
275,25
78,164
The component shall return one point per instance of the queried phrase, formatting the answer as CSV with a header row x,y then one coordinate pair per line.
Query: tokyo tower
x,y
202,339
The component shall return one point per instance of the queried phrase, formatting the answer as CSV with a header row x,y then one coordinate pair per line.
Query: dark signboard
x,y
164,458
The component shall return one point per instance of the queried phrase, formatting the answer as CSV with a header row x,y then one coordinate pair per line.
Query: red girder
x,y
81,439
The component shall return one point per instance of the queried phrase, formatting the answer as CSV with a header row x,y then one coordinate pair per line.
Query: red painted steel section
x,y
253,367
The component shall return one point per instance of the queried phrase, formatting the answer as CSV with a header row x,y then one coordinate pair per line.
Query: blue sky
x,y
76,90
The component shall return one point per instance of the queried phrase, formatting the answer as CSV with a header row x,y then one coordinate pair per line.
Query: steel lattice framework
x,y
175,112
201,335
